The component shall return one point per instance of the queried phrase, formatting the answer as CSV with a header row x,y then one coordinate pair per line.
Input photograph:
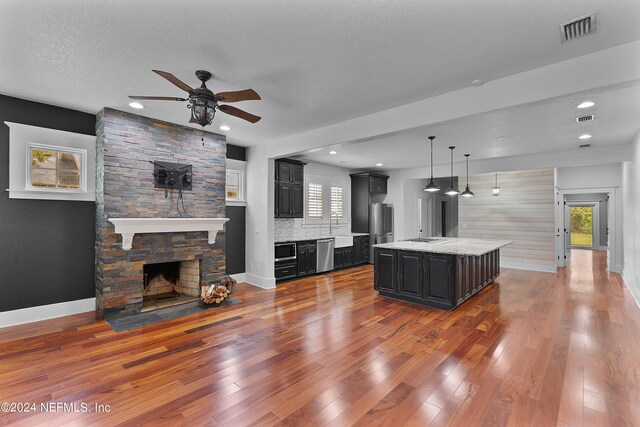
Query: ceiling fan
x,y
203,102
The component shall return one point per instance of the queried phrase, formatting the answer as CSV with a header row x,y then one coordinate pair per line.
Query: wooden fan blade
x,y
176,81
239,95
158,98
238,113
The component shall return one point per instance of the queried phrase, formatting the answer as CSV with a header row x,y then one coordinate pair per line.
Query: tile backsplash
x,y
292,229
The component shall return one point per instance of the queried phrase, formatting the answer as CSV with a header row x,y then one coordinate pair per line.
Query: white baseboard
x,y
239,277
616,269
261,282
635,293
44,312
529,266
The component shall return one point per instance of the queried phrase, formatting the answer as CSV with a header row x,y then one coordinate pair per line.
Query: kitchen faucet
x,y
337,219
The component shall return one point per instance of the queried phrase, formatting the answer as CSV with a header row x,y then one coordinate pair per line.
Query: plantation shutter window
x,y
314,200
337,201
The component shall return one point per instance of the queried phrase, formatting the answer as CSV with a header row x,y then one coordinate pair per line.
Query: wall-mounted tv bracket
x,y
172,176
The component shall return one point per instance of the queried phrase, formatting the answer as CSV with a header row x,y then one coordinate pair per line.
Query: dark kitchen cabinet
x,y
343,257
289,171
307,258
435,280
438,284
410,274
378,184
384,278
286,270
289,189
360,250
297,201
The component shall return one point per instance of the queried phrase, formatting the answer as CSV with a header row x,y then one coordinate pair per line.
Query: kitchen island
x,y
440,272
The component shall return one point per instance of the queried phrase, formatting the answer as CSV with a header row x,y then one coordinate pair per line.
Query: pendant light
x,y
431,186
496,189
452,190
467,192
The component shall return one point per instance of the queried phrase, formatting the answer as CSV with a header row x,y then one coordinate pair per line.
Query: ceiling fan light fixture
x,y
203,110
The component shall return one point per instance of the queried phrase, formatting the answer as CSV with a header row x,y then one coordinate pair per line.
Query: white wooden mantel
x,y
129,227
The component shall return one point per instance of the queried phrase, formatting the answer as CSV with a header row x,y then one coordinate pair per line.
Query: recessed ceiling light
x,y
477,82
225,127
585,136
333,152
586,104
378,164
136,105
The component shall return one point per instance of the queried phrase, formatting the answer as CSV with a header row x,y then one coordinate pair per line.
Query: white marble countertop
x,y
317,237
448,245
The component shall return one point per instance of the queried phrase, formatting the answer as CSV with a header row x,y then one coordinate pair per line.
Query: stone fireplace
x,y
170,283
125,145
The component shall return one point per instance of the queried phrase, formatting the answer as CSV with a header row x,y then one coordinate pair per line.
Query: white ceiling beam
x,y
607,67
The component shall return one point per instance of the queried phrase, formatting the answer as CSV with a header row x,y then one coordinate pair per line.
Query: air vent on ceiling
x,y
578,28
587,118
585,145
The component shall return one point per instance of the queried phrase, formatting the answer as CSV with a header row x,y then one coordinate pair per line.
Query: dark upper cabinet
x,y
289,191
297,201
366,188
378,184
284,200
289,171
307,258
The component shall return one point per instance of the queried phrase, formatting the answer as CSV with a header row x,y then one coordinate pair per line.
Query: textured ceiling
x,y
544,126
314,62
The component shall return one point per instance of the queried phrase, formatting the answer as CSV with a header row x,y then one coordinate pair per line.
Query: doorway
x,y
581,227
592,226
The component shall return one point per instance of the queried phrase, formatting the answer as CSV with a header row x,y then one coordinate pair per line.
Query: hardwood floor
x,y
534,348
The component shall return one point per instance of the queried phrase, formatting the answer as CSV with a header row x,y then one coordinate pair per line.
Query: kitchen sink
x,y
343,241
422,240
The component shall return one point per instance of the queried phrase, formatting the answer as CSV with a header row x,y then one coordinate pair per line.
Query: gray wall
x,y
46,246
604,207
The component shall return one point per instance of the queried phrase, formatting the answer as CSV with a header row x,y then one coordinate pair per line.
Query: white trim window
x,y
53,168
235,186
314,201
337,202
50,164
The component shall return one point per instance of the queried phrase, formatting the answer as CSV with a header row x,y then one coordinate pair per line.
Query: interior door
x,y
567,233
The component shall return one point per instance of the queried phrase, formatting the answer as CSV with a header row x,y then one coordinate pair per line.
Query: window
x,y
235,185
50,164
337,202
314,200
52,168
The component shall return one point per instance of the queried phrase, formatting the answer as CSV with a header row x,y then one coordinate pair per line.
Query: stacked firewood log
x,y
217,293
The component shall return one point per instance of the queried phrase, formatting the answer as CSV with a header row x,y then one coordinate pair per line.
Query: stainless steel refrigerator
x,y
380,225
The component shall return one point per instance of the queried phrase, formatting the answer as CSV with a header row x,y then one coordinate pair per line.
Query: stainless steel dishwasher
x,y
325,255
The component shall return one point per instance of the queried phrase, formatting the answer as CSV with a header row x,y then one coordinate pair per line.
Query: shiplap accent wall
x,y
523,213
